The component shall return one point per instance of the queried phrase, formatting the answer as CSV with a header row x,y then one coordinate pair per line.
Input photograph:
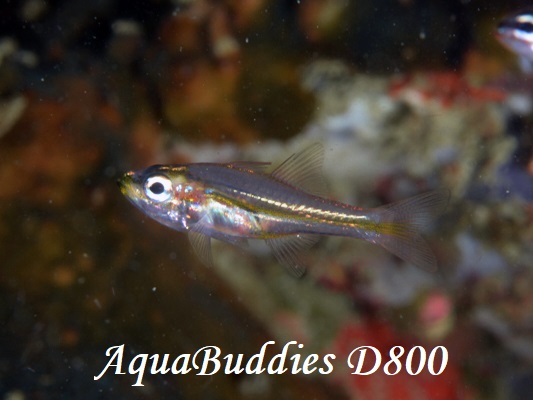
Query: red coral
x,y
444,88
380,335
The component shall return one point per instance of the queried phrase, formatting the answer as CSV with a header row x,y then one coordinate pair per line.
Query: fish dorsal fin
x,y
288,250
304,170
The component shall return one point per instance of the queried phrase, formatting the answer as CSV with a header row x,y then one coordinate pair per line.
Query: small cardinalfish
x,y
238,201
516,33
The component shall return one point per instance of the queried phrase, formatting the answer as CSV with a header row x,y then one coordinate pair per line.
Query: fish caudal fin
x,y
401,223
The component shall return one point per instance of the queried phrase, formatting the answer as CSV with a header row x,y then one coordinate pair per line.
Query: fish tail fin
x,y
401,223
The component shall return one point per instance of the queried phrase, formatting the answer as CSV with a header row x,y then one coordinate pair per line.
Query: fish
x,y
288,208
515,32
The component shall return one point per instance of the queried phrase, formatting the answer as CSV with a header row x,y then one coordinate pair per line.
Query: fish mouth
x,y
127,185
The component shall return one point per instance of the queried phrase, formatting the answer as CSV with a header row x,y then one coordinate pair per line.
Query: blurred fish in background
x,y
516,33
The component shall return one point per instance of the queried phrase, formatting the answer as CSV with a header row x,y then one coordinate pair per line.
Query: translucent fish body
x,y
238,201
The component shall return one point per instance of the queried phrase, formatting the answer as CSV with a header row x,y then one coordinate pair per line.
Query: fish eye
x,y
158,188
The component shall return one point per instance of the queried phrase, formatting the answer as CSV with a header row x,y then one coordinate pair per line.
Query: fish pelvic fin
x,y
401,223
201,245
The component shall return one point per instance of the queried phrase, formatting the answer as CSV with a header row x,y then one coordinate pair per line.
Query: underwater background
x,y
406,96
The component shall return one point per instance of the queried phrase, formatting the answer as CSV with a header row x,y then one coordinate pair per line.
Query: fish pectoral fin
x,y
201,245
304,170
288,251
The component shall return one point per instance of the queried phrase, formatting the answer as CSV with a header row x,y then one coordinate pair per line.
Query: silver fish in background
x,y
516,33
238,201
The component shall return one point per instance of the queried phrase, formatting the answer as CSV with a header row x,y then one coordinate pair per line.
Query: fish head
x,y
516,33
166,194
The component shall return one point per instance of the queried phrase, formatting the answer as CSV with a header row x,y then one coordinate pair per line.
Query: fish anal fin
x,y
304,170
288,251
